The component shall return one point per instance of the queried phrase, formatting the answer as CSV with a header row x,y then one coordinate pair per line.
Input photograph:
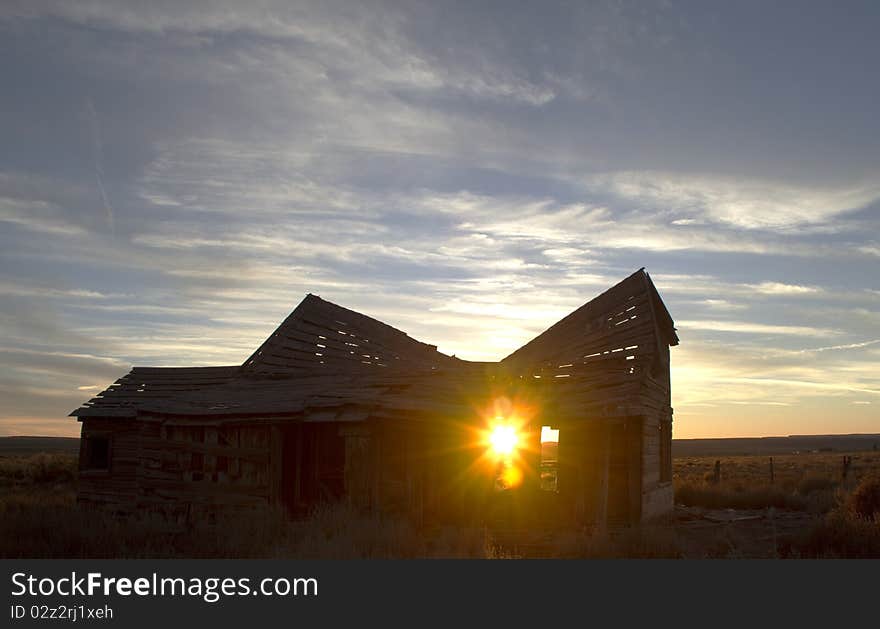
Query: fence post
x,y
716,478
772,477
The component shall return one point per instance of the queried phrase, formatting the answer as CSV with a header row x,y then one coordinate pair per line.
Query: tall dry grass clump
x,y
839,534
850,530
864,501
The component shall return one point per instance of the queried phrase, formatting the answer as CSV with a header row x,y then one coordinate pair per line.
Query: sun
x,y
503,439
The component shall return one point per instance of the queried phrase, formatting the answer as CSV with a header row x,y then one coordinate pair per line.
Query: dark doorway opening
x,y
95,453
313,465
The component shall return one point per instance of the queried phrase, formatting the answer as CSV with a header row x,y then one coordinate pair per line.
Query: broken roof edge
x,y
665,327
213,374
315,306
668,325
311,298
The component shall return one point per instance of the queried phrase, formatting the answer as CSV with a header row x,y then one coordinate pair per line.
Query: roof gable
x,y
625,325
321,337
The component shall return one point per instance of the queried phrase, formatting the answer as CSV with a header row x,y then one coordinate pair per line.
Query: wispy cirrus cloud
x,y
780,288
749,327
751,204
833,348
37,216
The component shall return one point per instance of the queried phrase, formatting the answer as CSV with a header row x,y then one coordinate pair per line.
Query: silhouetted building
x,y
335,405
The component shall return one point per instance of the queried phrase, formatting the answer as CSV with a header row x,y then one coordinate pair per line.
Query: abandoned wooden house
x,y
334,405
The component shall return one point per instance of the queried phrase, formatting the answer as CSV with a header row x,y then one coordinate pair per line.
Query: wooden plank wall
x,y
178,467
205,465
600,471
395,466
427,471
117,486
361,462
616,330
657,496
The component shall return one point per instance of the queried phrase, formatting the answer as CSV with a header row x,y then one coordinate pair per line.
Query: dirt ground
x,y
738,533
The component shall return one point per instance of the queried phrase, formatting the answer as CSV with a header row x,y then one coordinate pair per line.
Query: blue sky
x,y
178,175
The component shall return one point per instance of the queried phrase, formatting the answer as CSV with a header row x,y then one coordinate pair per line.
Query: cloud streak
x,y
98,146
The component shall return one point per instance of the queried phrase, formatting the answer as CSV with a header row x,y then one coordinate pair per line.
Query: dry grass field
x,y
808,510
808,481
39,518
787,468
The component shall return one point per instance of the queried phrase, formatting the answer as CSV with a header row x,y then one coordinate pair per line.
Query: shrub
x,y
840,534
864,501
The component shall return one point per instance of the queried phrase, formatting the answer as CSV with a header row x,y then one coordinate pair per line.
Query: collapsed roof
x,y
328,363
